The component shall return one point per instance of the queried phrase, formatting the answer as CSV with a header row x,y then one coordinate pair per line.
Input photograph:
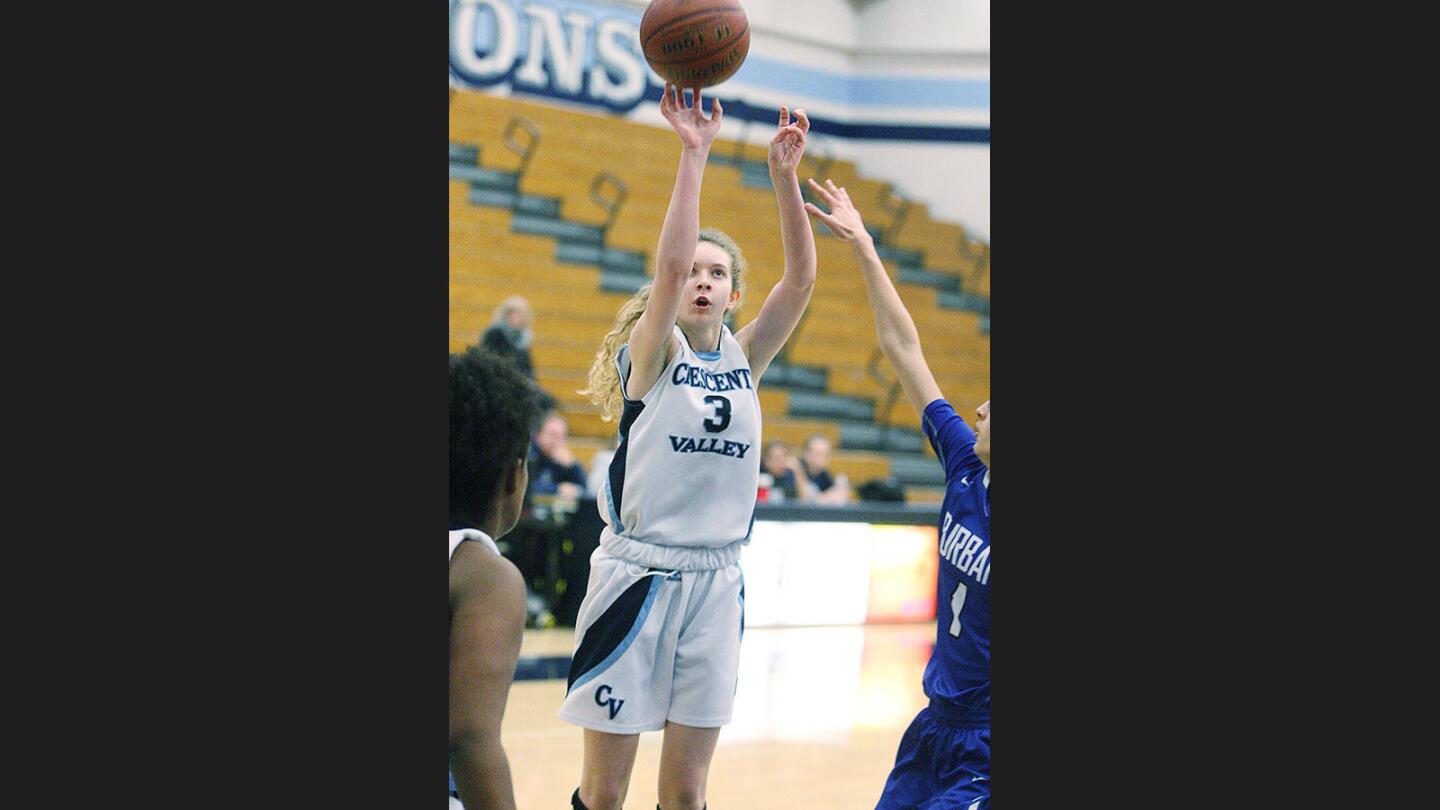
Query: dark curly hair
x,y
493,409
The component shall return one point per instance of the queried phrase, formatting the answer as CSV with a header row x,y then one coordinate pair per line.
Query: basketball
x,y
695,43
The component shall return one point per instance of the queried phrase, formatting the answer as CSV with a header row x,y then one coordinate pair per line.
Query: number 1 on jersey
x,y
957,604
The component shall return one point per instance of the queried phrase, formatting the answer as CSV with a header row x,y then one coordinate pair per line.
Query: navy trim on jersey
x,y
615,493
611,634
742,602
614,514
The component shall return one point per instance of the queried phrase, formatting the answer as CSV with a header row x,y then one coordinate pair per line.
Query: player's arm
x,y
487,598
893,325
652,338
762,338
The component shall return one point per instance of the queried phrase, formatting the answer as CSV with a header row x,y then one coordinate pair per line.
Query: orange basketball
x,y
695,43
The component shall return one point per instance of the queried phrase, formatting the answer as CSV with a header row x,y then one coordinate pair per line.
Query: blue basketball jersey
x,y
958,673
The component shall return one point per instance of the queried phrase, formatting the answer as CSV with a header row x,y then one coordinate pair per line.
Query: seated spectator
x,y
509,333
830,490
784,469
553,468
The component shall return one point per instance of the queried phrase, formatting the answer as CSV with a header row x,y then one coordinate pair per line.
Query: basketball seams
x,y
670,23
709,64
739,39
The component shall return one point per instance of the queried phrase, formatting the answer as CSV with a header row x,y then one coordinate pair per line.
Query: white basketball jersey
x,y
460,535
688,464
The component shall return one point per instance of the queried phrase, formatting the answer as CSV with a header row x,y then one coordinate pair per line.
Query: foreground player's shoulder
x,y
477,571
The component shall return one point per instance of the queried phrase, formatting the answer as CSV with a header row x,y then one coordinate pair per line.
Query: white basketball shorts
x,y
654,645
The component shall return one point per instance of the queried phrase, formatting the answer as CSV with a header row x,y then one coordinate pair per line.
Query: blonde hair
x,y
605,389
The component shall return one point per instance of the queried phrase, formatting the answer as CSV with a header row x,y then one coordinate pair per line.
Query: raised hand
x,y
788,145
695,130
844,219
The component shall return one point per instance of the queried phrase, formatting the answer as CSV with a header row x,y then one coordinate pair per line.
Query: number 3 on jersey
x,y
721,419
957,604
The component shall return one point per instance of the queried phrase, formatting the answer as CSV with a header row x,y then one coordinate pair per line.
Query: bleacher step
x,y
913,469
465,153
482,177
492,197
930,278
615,259
755,175
965,302
870,436
528,222
830,406
902,256
613,281
810,378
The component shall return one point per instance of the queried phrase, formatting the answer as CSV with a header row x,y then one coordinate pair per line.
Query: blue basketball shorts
x,y
942,764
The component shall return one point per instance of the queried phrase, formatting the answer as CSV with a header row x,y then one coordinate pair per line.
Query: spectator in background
x,y
829,490
553,468
509,333
785,470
